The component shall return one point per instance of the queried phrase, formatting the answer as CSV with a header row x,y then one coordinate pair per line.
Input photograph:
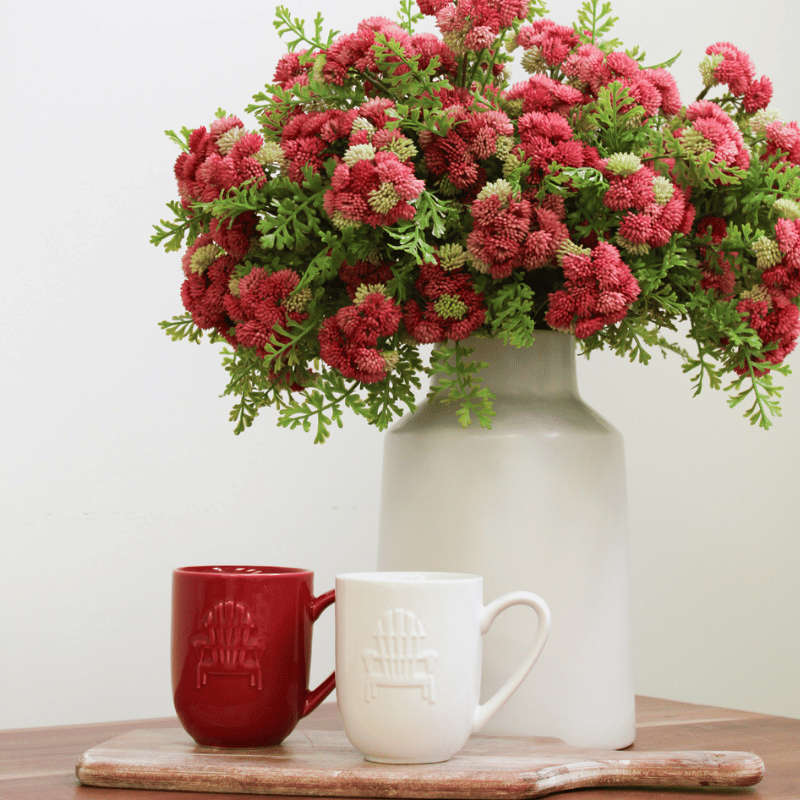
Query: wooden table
x,y
39,763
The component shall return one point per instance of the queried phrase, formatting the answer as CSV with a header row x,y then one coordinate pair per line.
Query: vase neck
x,y
546,369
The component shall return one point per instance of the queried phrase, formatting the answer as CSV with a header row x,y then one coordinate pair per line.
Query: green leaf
x,y
182,327
460,382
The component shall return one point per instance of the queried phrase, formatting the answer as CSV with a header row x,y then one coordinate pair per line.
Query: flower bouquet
x,y
403,189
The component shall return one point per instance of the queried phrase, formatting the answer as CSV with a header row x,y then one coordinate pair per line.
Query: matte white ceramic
x,y
408,661
539,503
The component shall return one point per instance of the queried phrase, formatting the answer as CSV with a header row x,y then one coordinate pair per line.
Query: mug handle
x,y
316,696
483,713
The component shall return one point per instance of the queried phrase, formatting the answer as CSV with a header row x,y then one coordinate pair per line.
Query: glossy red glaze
x,y
241,652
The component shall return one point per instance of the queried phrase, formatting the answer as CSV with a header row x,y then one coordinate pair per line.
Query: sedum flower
x,y
623,163
786,208
598,291
449,306
767,251
350,341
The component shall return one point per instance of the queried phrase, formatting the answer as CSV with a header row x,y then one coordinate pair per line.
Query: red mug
x,y
241,652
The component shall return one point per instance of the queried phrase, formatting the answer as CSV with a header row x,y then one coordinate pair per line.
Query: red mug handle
x,y
316,696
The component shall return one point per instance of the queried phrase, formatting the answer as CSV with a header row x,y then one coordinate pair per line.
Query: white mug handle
x,y
483,713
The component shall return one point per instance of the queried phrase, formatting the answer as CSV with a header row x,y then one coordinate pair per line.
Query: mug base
x,y
388,760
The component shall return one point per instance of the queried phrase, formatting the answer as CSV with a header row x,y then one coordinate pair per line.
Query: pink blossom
x,y
554,41
364,273
509,234
236,167
598,291
349,341
374,192
777,322
357,50
431,7
736,69
587,66
499,232
622,65
205,171
457,154
654,89
721,131
784,278
290,71
479,38
471,22
783,140
260,307
307,138
204,288
451,308
757,95
429,46
648,221
630,191
541,93
235,235
548,137
667,86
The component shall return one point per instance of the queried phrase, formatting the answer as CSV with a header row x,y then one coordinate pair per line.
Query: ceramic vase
x,y
538,503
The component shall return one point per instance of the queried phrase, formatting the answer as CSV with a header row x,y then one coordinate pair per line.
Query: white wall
x,y
118,461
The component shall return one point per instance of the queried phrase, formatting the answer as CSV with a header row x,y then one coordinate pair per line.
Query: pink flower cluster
x,y
365,273
371,184
472,139
548,137
349,341
718,270
654,89
260,305
588,70
553,42
510,233
290,71
307,139
544,94
359,51
719,132
246,311
770,308
452,308
652,218
219,159
473,24
598,291
776,323
207,272
737,71
776,317
783,141
783,279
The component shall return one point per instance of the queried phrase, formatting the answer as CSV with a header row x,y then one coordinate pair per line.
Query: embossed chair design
x,y
399,660
225,647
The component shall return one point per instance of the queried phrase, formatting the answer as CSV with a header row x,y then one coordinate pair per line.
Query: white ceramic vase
x,y
537,503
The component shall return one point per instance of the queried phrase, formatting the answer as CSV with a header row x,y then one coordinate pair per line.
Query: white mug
x,y
408,661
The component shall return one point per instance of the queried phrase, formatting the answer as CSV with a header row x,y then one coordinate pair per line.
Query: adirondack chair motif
x,y
226,646
399,660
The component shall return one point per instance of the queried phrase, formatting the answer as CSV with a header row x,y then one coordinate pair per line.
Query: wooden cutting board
x,y
322,763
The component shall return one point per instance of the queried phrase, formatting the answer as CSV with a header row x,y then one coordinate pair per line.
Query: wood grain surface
x,y
322,763
39,763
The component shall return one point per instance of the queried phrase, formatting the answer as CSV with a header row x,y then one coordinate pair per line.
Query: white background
x,y
117,459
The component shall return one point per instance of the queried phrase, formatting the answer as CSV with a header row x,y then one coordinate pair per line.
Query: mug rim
x,y
410,577
240,571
